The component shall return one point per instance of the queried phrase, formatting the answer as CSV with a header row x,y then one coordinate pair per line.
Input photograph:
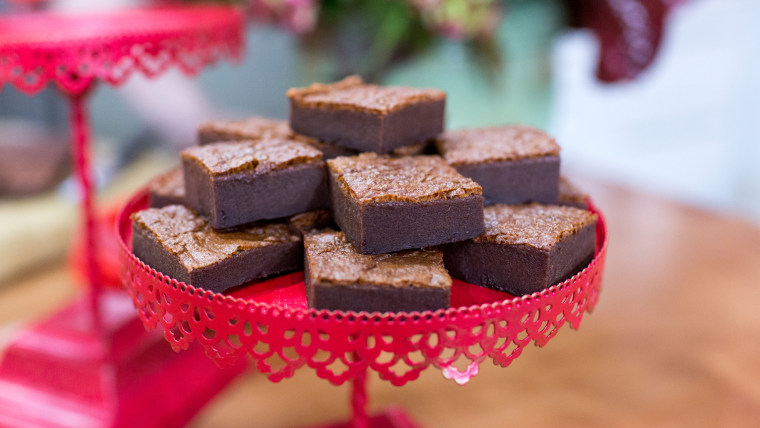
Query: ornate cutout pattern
x,y
75,50
341,346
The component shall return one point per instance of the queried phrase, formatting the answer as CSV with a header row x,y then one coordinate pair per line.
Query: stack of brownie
x,y
346,192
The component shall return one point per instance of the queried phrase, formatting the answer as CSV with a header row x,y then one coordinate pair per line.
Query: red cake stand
x,y
270,323
92,364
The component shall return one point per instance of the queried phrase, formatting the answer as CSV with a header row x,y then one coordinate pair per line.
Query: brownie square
x,y
252,128
236,183
32,160
332,151
310,222
257,128
367,118
179,243
525,248
167,189
386,204
570,195
337,277
413,150
514,164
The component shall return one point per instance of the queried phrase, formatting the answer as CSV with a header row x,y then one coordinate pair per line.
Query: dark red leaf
x,y
629,33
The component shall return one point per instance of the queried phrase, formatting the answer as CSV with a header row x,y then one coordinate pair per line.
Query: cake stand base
x,y
64,372
392,417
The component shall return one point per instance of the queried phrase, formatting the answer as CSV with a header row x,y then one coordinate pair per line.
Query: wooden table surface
x,y
674,341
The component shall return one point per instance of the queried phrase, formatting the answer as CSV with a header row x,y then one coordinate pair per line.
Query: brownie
x,y
412,150
181,244
252,128
525,248
329,151
236,183
338,277
386,204
257,128
332,151
167,189
367,118
310,222
570,195
514,164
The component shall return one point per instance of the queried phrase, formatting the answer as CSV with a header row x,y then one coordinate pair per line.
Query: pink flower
x,y
300,16
459,19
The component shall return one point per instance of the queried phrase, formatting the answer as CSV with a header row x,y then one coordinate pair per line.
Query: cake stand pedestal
x,y
92,364
270,323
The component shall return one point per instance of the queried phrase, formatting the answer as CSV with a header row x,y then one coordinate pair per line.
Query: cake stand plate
x,y
270,323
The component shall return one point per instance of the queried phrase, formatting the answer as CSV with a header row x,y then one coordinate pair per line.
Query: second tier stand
x,y
91,364
270,323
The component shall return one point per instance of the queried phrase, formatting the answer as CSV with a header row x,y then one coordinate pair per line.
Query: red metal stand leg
x,y
92,364
81,146
359,401
393,417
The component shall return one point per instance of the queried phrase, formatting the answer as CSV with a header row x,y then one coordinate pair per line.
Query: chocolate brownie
x,y
525,248
310,222
252,128
514,164
386,204
235,183
179,243
167,189
338,277
570,195
367,118
257,128
332,151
